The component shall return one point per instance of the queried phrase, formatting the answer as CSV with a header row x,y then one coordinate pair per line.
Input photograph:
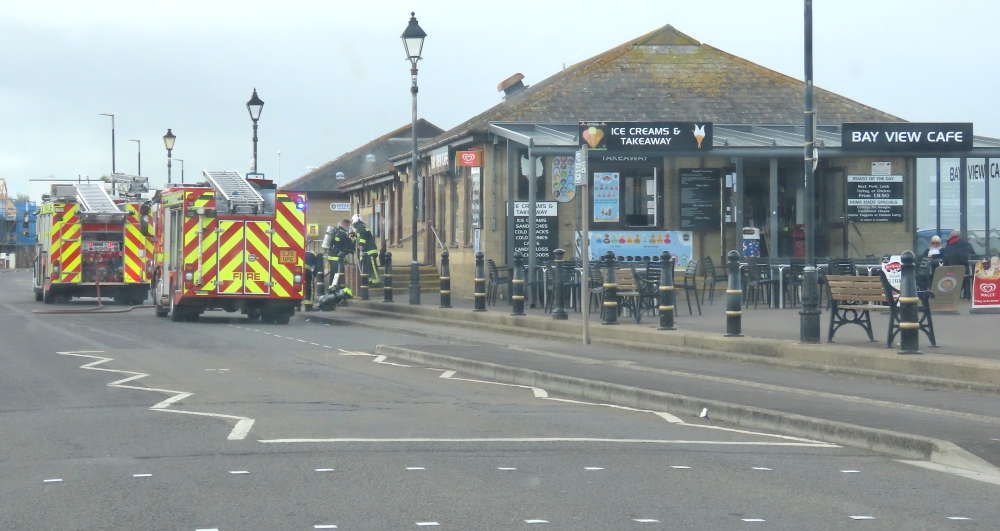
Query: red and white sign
x,y
894,271
986,287
471,159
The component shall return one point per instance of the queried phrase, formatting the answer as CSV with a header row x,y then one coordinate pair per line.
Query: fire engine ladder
x,y
94,199
234,188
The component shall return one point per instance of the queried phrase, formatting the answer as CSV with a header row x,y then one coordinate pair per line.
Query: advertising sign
x,y
439,161
906,137
875,198
700,199
986,287
893,270
546,228
946,287
606,197
640,244
471,159
563,182
580,168
659,136
476,203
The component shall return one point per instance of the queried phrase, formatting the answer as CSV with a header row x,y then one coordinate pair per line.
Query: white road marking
x,y
538,392
51,481
958,518
142,475
552,439
592,468
761,468
961,472
646,520
680,467
276,335
239,471
208,529
356,353
327,346
851,471
505,468
239,431
381,359
415,468
324,470
752,519
324,526
314,344
862,517
223,370
447,374
301,340
427,523
536,521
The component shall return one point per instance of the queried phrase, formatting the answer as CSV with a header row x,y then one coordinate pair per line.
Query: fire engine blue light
x,y
300,204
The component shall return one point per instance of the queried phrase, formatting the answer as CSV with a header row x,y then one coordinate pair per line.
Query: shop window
x,y
640,203
522,179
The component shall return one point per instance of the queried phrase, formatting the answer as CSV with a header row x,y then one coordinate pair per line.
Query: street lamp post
x,y
182,169
112,115
138,145
168,141
810,313
254,106
279,168
413,43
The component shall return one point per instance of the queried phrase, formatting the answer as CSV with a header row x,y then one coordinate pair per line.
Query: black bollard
x,y
445,281
734,298
387,279
480,281
518,285
559,312
365,265
909,320
610,309
666,292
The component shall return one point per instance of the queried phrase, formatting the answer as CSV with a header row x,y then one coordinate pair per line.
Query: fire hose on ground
x,y
97,309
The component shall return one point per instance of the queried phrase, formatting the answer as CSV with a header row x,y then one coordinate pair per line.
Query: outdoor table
x,y
870,268
778,299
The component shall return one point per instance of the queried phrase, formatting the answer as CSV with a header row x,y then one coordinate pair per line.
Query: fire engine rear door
x,y
244,258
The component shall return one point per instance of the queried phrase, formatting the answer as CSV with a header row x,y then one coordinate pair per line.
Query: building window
x,y
453,203
639,197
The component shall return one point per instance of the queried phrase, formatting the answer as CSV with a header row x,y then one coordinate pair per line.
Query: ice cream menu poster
x,y
606,197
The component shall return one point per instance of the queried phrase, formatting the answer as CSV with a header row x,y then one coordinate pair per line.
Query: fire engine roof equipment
x,y
241,197
96,204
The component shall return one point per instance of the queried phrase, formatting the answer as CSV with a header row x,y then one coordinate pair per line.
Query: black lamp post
x,y
168,141
413,42
810,313
138,146
254,106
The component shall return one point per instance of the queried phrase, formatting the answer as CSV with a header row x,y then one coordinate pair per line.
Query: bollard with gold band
x,y
610,308
387,278
666,308
517,296
909,319
734,298
559,291
480,281
445,280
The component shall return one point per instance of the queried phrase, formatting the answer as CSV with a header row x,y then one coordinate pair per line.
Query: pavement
x,y
128,421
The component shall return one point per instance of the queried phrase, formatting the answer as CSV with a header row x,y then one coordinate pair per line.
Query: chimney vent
x,y
512,85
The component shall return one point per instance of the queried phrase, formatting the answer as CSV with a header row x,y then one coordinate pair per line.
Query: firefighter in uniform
x,y
367,246
338,243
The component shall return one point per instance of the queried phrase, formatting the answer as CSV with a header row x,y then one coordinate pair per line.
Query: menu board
x,y
563,186
606,197
476,198
875,198
700,201
546,228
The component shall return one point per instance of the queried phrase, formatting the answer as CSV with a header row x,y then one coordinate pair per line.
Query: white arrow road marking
x,y
239,432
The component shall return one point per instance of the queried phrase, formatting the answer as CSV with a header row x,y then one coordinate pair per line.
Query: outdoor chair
x,y
496,281
712,277
595,287
793,282
648,292
760,284
629,297
690,284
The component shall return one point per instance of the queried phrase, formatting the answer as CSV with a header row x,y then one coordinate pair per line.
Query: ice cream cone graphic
x,y
592,135
699,134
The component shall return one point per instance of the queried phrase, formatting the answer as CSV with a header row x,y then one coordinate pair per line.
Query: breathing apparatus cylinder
x,y
328,238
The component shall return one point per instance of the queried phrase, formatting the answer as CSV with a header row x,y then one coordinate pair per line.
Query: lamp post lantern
x,y
182,169
138,146
413,43
810,313
254,106
112,115
168,141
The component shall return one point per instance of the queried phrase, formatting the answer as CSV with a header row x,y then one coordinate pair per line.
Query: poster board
x,y
986,287
700,198
546,228
641,244
606,193
947,288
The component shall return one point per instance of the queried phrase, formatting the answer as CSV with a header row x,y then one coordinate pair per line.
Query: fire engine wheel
x,y
39,294
253,315
282,319
176,315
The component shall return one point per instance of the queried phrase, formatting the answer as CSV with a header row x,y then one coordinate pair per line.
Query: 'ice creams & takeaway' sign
x,y
646,136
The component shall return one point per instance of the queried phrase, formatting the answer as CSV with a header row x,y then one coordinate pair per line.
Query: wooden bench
x,y
852,298
628,293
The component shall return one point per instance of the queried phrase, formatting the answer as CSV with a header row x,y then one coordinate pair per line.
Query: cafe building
x,y
693,150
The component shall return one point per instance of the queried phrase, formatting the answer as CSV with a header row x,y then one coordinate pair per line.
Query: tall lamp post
x,y
138,146
254,106
112,115
182,169
810,313
413,42
168,141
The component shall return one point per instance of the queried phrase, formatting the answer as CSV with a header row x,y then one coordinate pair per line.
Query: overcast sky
x,y
333,73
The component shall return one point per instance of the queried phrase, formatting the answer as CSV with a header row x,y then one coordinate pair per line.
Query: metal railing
x,y
441,245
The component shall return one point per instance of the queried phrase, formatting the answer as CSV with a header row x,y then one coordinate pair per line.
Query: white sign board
x,y
881,168
340,207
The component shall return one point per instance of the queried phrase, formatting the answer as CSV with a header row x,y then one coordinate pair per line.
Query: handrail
x,y
441,245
